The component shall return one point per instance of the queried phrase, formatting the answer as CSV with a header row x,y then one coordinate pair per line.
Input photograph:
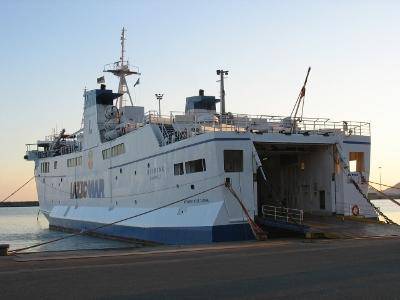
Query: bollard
x,y
4,249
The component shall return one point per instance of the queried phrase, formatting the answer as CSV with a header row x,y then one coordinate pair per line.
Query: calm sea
x,y
20,227
389,208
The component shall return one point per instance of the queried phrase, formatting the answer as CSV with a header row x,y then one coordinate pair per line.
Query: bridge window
x,y
45,167
233,160
194,166
113,151
178,169
73,162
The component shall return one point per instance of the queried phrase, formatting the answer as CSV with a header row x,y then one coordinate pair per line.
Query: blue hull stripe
x,y
180,148
355,142
165,235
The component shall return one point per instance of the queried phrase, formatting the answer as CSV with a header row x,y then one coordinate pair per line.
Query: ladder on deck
x,y
167,131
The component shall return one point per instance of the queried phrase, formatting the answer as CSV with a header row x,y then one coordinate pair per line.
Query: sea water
x,y
23,226
390,209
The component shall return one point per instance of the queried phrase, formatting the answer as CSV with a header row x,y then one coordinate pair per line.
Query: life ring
x,y
355,210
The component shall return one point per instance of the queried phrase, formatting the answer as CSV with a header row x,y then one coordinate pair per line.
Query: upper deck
x,y
180,126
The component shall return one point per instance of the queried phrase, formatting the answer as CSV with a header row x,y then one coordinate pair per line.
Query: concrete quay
x,y
303,269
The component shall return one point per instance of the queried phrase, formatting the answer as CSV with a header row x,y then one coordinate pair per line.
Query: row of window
x,y
113,151
45,167
192,166
73,162
233,161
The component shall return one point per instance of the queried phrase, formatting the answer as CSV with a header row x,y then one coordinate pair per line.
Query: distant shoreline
x,y
19,204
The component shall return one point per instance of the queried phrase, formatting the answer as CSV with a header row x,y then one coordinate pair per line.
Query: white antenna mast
x,y
121,69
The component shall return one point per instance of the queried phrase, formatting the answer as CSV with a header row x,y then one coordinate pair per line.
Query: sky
x,y
51,50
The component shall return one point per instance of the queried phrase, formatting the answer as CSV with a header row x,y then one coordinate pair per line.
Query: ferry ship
x,y
163,178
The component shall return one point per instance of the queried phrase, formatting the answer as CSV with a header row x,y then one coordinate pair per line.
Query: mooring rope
x,y
385,185
385,195
112,223
387,219
345,169
258,233
175,186
13,193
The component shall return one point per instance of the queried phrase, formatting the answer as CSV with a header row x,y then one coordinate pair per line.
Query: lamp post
x,y
159,98
380,178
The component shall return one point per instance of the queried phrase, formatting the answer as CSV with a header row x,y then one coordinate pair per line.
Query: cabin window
x,y
178,169
233,160
73,162
113,151
356,162
55,165
194,166
45,167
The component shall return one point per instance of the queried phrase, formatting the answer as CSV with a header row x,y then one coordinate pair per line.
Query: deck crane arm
x,y
299,102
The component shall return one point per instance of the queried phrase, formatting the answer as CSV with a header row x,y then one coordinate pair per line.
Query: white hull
x,y
140,180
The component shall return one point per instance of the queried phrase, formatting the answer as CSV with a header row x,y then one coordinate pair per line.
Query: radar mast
x,y
122,69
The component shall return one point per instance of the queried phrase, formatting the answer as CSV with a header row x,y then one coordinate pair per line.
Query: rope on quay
x,y
115,222
13,193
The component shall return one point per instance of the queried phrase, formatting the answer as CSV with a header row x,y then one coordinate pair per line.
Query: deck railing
x,y
261,123
289,215
71,148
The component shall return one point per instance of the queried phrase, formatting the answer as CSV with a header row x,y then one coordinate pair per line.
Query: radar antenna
x,y
121,69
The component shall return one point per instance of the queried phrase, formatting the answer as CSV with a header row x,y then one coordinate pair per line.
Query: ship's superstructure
x,y
125,162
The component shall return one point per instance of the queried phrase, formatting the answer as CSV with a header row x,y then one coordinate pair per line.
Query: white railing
x,y
289,215
265,124
66,149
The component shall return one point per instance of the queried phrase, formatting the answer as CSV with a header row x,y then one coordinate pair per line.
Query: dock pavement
x,y
361,268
